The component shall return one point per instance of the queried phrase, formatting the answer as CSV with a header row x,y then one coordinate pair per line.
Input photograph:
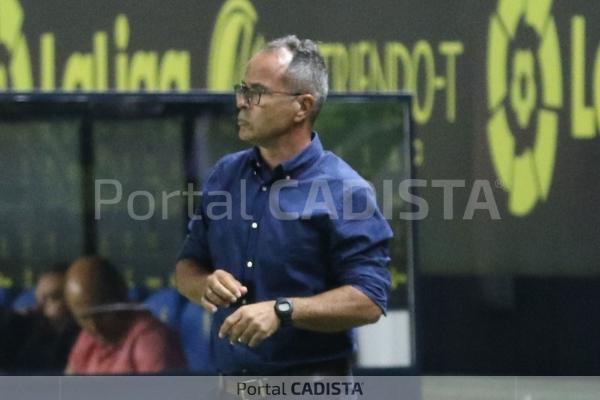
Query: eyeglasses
x,y
253,95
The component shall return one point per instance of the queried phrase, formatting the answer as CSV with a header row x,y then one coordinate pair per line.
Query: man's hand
x,y
251,324
220,289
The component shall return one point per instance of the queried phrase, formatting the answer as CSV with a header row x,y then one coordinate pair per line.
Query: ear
x,y
306,106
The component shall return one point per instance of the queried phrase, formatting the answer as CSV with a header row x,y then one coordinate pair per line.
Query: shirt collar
x,y
308,156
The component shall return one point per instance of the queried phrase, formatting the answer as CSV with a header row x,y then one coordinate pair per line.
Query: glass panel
x,y
41,201
140,230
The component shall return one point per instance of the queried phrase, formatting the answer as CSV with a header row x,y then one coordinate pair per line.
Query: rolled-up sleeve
x,y
360,250
195,245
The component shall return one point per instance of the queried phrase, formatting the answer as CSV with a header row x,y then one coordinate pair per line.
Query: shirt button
x,y
254,172
254,225
288,177
264,188
249,264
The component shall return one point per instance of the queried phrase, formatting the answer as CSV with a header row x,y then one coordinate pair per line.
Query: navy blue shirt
x,y
305,227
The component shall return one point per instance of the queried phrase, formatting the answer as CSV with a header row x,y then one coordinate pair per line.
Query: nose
x,y
241,102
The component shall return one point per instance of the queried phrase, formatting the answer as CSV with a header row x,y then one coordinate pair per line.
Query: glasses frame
x,y
243,91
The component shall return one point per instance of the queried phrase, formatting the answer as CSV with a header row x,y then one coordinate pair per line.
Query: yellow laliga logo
x,y
232,44
87,70
523,52
16,73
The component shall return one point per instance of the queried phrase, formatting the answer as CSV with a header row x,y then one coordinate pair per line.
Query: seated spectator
x,y
39,341
50,299
117,337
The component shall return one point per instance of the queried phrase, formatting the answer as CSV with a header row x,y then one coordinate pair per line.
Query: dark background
x,y
514,296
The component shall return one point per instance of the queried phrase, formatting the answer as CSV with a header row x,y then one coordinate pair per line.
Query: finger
x,y
208,305
256,339
214,299
228,323
237,330
246,336
224,293
229,282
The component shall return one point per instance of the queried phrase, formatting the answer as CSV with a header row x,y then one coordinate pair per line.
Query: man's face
x,y
106,326
50,298
263,123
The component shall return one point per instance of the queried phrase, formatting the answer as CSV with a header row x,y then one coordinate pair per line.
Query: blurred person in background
x,y
39,340
50,299
118,336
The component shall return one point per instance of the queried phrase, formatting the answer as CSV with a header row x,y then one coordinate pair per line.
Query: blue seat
x,y
195,334
137,293
24,301
167,305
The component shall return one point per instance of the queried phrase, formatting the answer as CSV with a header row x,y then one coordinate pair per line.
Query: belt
x,y
335,367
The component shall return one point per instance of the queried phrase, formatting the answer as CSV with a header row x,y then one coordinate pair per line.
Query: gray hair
x,y
307,72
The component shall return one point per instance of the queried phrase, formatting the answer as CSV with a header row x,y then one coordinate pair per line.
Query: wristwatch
x,y
284,309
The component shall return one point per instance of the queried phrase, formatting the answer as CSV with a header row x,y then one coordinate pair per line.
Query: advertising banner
x,y
507,110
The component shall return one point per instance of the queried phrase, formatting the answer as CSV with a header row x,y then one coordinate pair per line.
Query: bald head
x,y
94,281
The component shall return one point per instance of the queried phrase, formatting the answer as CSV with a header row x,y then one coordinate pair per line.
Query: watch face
x,y
284,307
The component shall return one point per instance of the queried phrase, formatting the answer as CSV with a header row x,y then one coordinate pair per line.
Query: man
x,y
49,296
285,276
117,337
39,341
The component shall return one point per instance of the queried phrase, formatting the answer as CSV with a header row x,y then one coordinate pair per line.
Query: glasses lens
x,y
245,93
